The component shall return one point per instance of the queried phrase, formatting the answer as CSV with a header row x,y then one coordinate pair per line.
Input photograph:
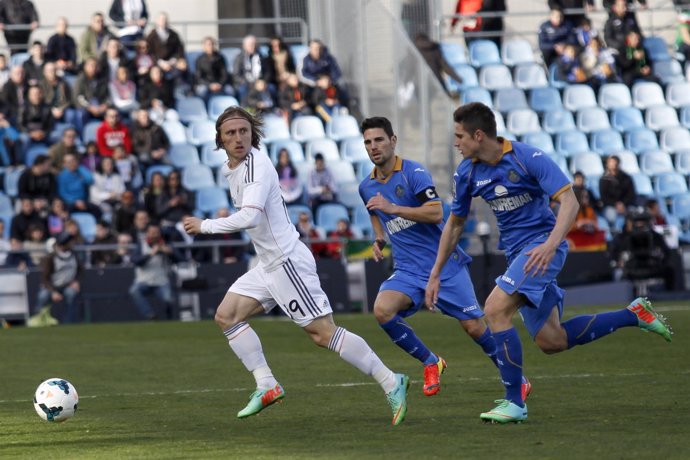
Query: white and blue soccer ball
x,y
56,400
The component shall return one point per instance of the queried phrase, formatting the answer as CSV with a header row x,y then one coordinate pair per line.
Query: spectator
x,y
153,193
72,227
554,35
228,254
259,98
92,157
123,254
26,217
35,243
18,13
4,70
293,98
633,62
318,62
290,186
579,186
18,258
73,184
466,12
108,186
5,245
342,233
473,23
94,38
629,3
130,17
62,49
683,34
37,183
142,63
322,188
598,63
123,91
326,98
111,59
566,5
57,94
585,33
125,212
57,216
309,234
619,24
280,61
10,154
174,203
167,48
111,133
33,67
150,144
248,67
431,52
657,217
156,94
617,192
585,233
61,271
90,94
140,223
37,120
103,257
13,94
127,167
153,258
211,74
569,67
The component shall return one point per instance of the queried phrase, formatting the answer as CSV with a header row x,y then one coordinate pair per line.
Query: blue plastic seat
x,y
200,132
275,129
348,194
344,171
680,206
500,122
544,99
669,71
578,97
558,120
517,51
614,96
588,163
294,149
528,76
340,127
210,156
507,99
294,210
625,119
211,199
643,184
6,206
163,169
540,140
87,225
646,94
628,162
353,149
678,94
569,143
182,155
328,215
218,103
191,57
656,162
34,151
468,75
484,52
682,161
307,127
669,184
198,176
561,161
661,116
89,132
495,76
592,119
17,59
685,116
191,109
221,180
607,142
454,53
230,53
592,184
674,138
641,140
363,169
523,121
477,94
11,181
361,219
656,48
326,147
555,78
175,131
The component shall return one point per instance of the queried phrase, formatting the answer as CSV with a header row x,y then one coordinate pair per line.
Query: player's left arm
x,y
379,237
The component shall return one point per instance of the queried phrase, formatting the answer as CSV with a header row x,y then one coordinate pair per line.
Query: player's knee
x,y
551,345
474,328
382,313
319,338
225,318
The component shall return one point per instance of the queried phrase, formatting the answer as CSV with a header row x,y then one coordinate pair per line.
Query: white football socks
x,y
247,346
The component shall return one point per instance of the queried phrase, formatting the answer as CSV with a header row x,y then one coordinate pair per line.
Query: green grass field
x,y
171,390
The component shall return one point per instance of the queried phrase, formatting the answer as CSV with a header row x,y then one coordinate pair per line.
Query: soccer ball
x,y
56,400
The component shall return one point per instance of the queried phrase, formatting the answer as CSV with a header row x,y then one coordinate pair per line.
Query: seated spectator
x,y
290,186
336,249
153,193
585,234
123,91
167,49
61,272
125,212
5,245
123,253
57,94
259,98
309,234
73,186
569,66
228,254
94,39
598,63
150,144
61,48
633,61
57,216
72,227
108,186
319,61
248,67
142,63
130,16
67,144
174,203
293,99
10,152
431,52
554,35
35,243
111,59
654,211
321,186
90,94
579,186
280,61
617,192
33,67
18,258
112,133
16,13
92,157
36,121
140,223
466,13
13,95
211,73
619,24
326,98
25,218
156,95
584,32
103,257
37,183
128,168
4,70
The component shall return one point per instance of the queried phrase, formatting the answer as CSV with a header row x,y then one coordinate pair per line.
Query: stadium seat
x,y
669,184
540,140
328,215
656,162
558,120
678,94
523,121
643,184
641,140
343,171
625,119
669,71
6,206
353,149
516,51
528,76
647,94
175,132
294,148
17,59
588,163
592,183
656,49
500,122
484,52
210,199
210,156
326,147
363,169
578,97
87,225
163,169
348,194
685,116
680,206
218,103
614,96
592,119
661,116
33,151
191,57
361,219
682,161
307,127
221,181
198,176
229,54
545,99
508,99
89,132
469,77
607,142
191,109
674,138
11,181
294,210
341,126
561,161
454,53
555,78
568,143
628,162
275,129
200,132
476,94
495,76
182,155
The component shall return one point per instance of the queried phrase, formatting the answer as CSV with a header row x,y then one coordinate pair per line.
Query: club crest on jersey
x,y
399,190
500,190
513,176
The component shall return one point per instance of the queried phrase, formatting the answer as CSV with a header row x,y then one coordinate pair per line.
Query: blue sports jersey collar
x,y
507,148
396,168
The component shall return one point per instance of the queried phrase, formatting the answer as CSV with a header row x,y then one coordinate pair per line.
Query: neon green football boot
x,y
505,412
648,319
397,398
261,399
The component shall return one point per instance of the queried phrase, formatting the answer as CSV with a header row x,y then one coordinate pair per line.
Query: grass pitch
x,y
171,390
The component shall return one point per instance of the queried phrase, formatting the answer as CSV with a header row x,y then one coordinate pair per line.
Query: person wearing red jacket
x,y
111,133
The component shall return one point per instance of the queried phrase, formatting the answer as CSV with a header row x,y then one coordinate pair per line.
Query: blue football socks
x,y
509,357
403,336
488,344
586,328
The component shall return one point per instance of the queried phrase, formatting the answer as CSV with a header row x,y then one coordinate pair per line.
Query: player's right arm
x,y
450,237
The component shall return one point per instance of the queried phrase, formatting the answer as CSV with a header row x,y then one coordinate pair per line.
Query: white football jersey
x,y
254,183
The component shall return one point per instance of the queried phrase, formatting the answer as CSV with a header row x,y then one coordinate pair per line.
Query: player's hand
x,y
192,225
378,251
539,259
56,296
379,203
431,294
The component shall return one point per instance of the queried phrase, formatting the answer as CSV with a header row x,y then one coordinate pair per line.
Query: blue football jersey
x,y
414,244
517,189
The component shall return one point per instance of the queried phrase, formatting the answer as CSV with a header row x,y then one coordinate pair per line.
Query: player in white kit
x,y
285,275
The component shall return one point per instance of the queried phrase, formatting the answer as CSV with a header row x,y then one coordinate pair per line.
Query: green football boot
x,y
397,398
648,319
261,399
505,412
